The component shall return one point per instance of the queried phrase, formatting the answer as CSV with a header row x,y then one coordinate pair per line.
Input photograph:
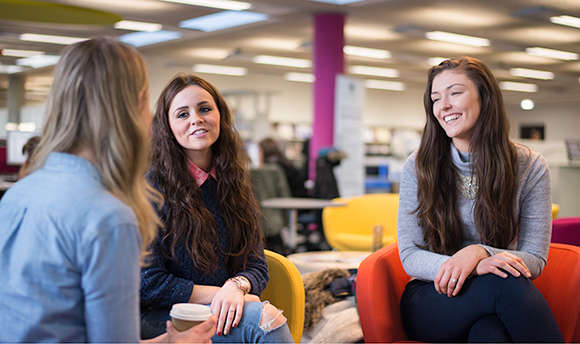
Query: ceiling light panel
x,y
518,86
282,61
20,53
223,70
54,39
457,38
210,53
366,52
10,69
221,4
274,43
139,39
385,85
137,26
552,53
532,73
38,61
375,71
369,33
223,20
338,2
566,20
299,77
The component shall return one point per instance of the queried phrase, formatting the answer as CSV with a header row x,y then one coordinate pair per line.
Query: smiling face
x,y
456,105
194,119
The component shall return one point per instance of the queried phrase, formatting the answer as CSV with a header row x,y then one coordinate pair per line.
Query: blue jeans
x,y
488,309
247,331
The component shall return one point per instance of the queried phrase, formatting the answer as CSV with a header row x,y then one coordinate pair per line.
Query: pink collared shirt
x,y
199,174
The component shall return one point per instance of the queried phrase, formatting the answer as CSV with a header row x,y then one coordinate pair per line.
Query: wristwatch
x,y
242,283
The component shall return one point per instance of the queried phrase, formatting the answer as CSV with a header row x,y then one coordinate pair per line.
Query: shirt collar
x,y
200,175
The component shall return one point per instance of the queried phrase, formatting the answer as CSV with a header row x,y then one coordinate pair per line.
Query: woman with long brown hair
x,y
210,249
75,228
474,219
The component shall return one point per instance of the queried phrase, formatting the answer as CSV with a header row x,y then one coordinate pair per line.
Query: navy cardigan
x,y
166,282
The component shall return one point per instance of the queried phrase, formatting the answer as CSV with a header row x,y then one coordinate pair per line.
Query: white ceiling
x,y
398,26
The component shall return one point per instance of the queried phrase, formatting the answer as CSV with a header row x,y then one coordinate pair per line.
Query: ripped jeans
x,y
254,327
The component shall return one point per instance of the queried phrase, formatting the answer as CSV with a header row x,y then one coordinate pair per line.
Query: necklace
x,y
468,186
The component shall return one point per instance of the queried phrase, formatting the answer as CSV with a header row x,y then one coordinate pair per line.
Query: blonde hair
x,y
94,105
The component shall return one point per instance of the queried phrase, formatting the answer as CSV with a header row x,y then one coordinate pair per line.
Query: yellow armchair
x,y
285,290
350,228
555,210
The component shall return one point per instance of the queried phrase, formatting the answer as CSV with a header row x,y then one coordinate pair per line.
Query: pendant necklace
x,y
468,186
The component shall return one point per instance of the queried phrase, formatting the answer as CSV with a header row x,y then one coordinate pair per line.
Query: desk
x,y
293,204
320,260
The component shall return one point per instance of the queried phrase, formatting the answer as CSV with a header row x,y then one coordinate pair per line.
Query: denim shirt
x,y
69,258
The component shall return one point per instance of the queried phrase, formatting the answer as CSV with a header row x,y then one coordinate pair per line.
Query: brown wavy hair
x,y
494,165
188,220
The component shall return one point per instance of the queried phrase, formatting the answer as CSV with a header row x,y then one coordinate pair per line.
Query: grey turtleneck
x,y
532,208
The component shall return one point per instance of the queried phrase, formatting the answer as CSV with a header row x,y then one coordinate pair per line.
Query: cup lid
x,y
190,311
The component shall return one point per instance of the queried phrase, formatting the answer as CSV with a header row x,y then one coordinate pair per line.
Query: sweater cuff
x,y
182,292
255,290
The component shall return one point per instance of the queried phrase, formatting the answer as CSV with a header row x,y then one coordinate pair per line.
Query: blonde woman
x,y
74,230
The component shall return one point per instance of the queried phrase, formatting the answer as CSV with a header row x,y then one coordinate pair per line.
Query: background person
x,y
210,250
73,232
474,219
270,153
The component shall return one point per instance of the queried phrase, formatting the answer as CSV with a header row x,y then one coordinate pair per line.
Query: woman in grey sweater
x,y
474,221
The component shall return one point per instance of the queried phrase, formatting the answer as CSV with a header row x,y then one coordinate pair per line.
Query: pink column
x,y
328,62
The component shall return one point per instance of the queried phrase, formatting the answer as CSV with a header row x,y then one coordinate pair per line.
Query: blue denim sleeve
x,y
110,283
159,287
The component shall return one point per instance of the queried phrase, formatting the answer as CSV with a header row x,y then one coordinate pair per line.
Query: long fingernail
x,y
219,334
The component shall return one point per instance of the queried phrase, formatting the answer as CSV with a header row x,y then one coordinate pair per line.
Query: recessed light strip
x,y
532,73
142,38
566,20
552,53
216,69
299,77
221,4
338,2
518,86
282,61
366,52
375,71
137,26
38,61
20,53
10,69
223,20
385,85
64,40
457,38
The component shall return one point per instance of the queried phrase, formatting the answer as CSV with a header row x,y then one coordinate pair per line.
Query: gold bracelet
x,y
242,283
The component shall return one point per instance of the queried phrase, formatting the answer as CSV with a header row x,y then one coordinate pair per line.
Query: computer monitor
x,y
15,140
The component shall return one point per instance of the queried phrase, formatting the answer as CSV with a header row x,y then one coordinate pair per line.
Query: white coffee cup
x,y
186,315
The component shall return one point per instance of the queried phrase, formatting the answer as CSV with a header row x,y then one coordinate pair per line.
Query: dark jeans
x,y
488,309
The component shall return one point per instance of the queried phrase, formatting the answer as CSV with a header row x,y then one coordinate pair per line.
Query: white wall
x,y
561,121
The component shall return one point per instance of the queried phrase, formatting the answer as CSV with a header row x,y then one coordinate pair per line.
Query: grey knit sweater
x,y
532,208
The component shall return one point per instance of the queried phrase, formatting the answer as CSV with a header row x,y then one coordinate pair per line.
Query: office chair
x,y
381,281
285,290
351,227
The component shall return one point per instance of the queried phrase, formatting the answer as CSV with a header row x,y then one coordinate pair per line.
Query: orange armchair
x,y
381,281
